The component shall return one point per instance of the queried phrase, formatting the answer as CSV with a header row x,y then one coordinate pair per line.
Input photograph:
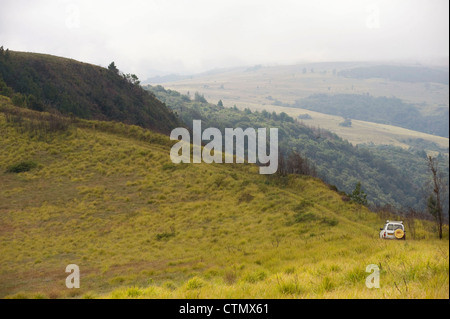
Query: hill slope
x,y
336,161
106,197
399,73
383,110
48,82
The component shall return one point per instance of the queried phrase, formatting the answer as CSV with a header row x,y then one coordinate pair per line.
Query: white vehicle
x,y
393,230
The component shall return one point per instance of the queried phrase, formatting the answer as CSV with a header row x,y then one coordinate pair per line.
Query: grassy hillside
x,y
395,177
45,82
105,196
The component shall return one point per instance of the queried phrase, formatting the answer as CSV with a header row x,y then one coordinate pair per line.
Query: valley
x,y
275,88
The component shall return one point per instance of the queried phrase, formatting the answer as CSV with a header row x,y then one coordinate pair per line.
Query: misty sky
x,y
190,36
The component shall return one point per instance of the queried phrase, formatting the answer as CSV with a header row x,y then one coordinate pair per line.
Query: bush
x,y
169,285
301,215
305,116
330,221
304,217
199,98
333,187
18,100
303,205
21,167
245,197
133,292
255,277
289,288
230,277
326,284
169,167
165,235
195,283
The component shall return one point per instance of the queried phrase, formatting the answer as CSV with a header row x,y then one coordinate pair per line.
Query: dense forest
x,y
384,110
44,82
390,177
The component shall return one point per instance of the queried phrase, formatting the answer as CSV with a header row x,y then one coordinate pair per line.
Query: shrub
x,y
245,197
165,235
301,217
195,283
289,288
220,180
333,187
303,205
255,277
134,292
230,277
330,221
326,284
169,167
24,166
169,285
305,116
356,275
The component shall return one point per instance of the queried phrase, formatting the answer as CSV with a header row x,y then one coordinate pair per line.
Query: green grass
x,y
106,197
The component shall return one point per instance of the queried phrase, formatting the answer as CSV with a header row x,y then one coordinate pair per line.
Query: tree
x,y
134,79
346,123
296,164
220,103
199,98
34,103
131,78
282,169
112,67
434,203
358,195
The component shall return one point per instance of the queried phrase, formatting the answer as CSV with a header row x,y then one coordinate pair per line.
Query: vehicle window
x,y
398,227
390,227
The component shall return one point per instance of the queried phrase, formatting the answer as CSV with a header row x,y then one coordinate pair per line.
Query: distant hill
x,y
384,110
45,82
167,78
399,73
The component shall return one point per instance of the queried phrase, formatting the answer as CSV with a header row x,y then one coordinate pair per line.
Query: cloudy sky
x,y
190,36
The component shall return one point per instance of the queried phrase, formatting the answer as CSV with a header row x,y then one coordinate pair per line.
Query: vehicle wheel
x,y
399,234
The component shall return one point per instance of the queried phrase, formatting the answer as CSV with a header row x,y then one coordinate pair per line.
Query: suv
x,y
393,230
